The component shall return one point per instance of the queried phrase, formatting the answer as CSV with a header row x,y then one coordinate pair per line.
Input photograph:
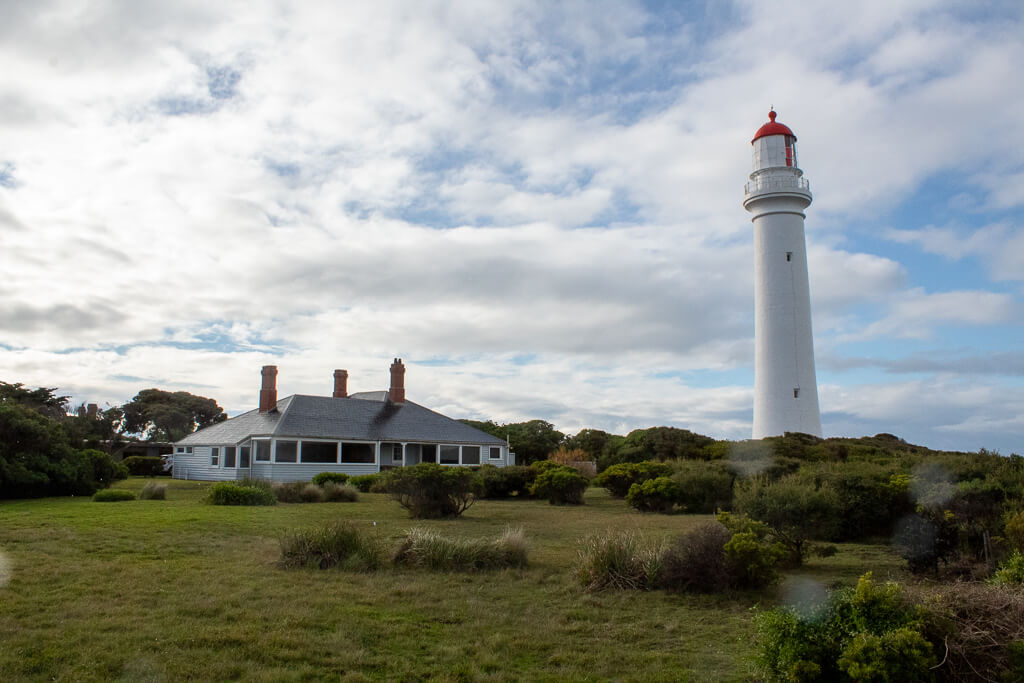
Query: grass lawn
x,y
178,589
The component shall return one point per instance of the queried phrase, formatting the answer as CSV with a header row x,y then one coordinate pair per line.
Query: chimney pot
x,y
268,392
340,383
396,394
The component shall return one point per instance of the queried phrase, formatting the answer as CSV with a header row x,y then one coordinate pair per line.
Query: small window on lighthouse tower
x,y
796,393
789,256
790,150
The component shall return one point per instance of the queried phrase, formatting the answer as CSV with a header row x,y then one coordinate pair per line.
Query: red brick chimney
x,y
92,410
340,383
268,392
396,394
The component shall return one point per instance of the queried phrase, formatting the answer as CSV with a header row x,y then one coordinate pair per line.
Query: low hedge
x,y
112,496
335,477
363,482
144,465
619,478
227,493
561,485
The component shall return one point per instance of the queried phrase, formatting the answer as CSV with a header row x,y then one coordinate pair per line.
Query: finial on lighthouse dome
x,y
772,128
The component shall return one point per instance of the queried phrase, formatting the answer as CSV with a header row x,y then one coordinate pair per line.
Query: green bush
x,y
617,479
153,491
298,492
340,493
1011,572
506,482
144,465
112,495
751,561
104,470
654,495
703,487
364,482
560,486
426,549
430,491
228,493
869,633
334,477
622,560
694,562
336,544
926,538
794,510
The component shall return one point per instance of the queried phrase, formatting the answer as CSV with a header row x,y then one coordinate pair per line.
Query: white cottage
x,y
294,438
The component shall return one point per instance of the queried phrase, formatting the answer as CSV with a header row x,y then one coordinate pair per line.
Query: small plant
x,y
560,485
144,465
112,495
751,560
623,560
153,491
426,549
339,493
228,493
661,494
288,492
332,477
336,544
695,561
431,491
364,482
1011,572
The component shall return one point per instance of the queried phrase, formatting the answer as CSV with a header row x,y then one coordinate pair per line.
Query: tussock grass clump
x,y
618,559
112,495
335,544
153,491
426,549
228,493
339,493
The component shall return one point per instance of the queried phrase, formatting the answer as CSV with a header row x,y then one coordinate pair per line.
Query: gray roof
x,y
365,417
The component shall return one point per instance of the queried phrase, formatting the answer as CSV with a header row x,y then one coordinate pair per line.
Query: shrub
x,y
621,560
364,482
288,492
703,487
336,544
654,495
334,477
144,465
563,455
112,495
619,478
430,491
228,493
795,511
505,482
104,470
1015,530
560,485
1011,572
751,561
695,561
426,549
868,633
925,539
153,491
340,493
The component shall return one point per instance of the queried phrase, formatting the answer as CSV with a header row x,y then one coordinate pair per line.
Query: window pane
x,y
358,452
262,450
429,452
470,455
449,455
286,451
318,451
229,456
214,453
243,456
495,453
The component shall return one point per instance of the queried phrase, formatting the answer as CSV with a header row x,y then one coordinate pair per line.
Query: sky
x,y
536,205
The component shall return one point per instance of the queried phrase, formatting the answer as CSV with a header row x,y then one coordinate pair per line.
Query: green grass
x,y
183,589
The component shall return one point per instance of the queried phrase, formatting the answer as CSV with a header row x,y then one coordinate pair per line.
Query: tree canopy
x,y
43,400
168,416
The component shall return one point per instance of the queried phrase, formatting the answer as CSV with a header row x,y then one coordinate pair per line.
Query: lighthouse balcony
x,y
770,184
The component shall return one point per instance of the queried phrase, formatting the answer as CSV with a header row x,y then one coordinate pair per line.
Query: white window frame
x,y
215,456
492,449
376,452
286,462
337,451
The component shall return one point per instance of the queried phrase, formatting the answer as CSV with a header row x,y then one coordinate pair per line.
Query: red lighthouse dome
x,y
772,128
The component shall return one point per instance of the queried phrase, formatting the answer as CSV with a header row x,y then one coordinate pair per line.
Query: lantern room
x,y
774,145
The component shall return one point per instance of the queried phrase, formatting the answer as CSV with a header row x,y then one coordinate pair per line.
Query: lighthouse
x,y
785,387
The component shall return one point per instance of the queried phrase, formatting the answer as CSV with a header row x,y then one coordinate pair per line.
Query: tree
x,y
592,441
43,400
532,440
168,416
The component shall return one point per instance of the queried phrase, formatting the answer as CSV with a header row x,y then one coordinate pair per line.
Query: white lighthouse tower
x,y
785,387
